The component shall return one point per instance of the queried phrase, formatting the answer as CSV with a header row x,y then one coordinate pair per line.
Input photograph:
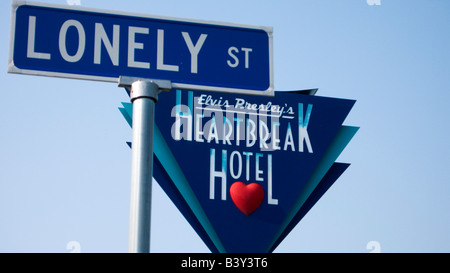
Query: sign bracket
x,y
144,96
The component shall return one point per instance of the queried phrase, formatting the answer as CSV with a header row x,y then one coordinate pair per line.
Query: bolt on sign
x,y
244,169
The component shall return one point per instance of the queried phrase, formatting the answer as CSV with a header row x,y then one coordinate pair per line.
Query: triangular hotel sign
x,y
244,170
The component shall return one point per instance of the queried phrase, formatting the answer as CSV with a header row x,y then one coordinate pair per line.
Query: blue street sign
x,y
82,43
244,170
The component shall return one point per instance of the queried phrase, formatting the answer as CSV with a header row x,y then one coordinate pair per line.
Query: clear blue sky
x,y
65,167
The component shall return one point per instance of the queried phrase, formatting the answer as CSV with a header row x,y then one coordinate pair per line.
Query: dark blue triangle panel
x,y
244,170
274,143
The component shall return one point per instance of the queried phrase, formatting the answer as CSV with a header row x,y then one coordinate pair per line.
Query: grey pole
x,y
144,95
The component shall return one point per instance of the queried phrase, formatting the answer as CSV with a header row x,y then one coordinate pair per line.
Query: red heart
x,y
247,198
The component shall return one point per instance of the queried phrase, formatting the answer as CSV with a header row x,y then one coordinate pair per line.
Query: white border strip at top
x,y
13,69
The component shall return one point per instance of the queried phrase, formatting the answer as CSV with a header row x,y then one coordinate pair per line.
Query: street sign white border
x,y
13,69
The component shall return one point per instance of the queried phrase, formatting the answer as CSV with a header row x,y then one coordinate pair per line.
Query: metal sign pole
x,y
144,95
